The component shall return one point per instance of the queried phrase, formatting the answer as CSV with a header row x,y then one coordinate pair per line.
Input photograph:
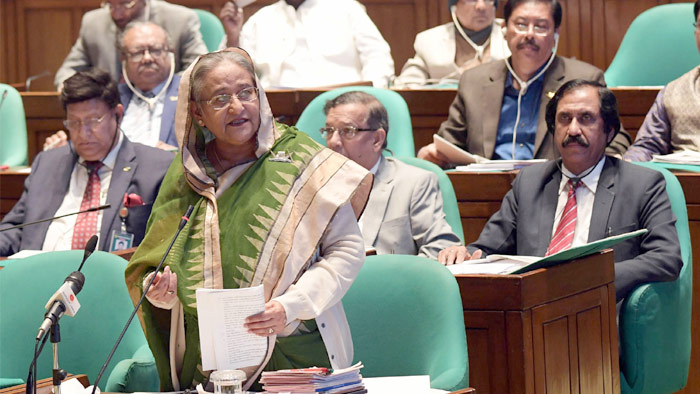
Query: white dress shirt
x,y
141,122
585,195
59,236
323,42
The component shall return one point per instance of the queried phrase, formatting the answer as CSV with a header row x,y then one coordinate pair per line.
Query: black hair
x,y
378,117
554,5
450,3
696,8
93,83
607,101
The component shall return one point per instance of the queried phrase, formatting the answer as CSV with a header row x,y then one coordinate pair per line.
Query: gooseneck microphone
x,y
63,300
92,209
182,224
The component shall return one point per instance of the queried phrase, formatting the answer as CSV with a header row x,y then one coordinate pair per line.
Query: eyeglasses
x,y
91,123
345,132
523,28
473,2
224,100
137,55
695,25
120,6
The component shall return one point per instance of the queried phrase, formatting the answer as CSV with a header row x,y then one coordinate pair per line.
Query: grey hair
x,y
210,61
378,117
136,24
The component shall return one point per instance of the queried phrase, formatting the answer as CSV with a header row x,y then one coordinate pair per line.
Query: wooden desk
x,y
11,187
44,386
479,196
429,108
547,331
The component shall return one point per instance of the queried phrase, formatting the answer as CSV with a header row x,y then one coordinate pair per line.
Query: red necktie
x,y
86,223
564,235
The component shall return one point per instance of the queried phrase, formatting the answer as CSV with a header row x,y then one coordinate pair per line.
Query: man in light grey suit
x,y
610,197
404,211
97,43
498,112
60,178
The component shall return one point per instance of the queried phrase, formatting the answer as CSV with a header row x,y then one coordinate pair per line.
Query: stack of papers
x,y
499,165
458,155
683,157
314,380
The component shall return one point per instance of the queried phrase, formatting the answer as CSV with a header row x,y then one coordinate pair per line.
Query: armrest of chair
x,y
9,382
655,337
456,378
135,374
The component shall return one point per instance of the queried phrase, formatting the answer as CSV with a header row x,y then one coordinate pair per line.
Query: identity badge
x,y
120,240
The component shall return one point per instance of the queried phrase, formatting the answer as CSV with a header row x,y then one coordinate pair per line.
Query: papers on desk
x,y
313,380
224,342
458,155
683,157
25,253
505,264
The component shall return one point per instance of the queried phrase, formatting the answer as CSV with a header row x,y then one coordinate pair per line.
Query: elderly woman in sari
x,y
271,207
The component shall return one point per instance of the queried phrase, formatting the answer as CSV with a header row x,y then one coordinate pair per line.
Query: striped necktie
x,y
86,223
564,235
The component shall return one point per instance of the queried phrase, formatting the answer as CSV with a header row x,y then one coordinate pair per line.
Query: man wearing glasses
x,y
499,109
96,44
99,167
149,90
404,212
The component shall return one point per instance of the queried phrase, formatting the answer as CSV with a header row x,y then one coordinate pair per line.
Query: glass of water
x,y
228,381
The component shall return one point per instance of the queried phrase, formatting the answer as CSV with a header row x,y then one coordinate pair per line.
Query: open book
x,y
496,264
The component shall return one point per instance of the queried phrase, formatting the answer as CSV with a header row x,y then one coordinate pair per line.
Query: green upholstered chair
x,y
405,315
658,47
400,136
86,339
211,28
13,128
655,319
449,199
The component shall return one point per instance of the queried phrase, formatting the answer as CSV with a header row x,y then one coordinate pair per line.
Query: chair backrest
x,y
655,318
13,128
658,47
211,28
86,339
449,198
406,318
400,136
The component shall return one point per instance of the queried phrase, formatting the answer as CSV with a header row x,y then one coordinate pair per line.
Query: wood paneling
x,y
36,35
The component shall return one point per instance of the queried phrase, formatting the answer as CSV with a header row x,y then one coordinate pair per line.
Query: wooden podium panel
x,y
547,331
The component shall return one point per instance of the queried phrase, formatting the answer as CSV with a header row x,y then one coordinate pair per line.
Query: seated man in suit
x,y
672,122
444,52
100,166
99,29
404,211
584,197
149,91
499,109
310,43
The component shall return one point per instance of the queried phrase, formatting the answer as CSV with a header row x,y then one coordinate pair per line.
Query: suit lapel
x,y
602,204
492,99
122,173
552,81
550,196
373,216
167,121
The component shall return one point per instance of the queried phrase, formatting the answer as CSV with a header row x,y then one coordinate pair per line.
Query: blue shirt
x,y
527,127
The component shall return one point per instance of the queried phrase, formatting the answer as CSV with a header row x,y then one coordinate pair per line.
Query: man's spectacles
x,y
473,2
90,123
137,55
523,28
120,6
345,132
224,100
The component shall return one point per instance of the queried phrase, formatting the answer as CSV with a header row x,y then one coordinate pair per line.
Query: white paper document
x,y
495,264
682,157
454,153
224,342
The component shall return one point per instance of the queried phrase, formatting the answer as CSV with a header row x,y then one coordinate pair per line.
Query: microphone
x,y
64,300
97,208
182,224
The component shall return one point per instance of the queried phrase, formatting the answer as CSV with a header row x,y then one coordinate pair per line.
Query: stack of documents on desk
x,y
499,165
503,264
314,380
683,157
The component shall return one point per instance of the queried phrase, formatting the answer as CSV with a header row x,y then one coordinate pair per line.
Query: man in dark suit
x,y
100,166
584,197
506,98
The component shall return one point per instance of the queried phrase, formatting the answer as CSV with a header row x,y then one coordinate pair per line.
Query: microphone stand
x,y
58,374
